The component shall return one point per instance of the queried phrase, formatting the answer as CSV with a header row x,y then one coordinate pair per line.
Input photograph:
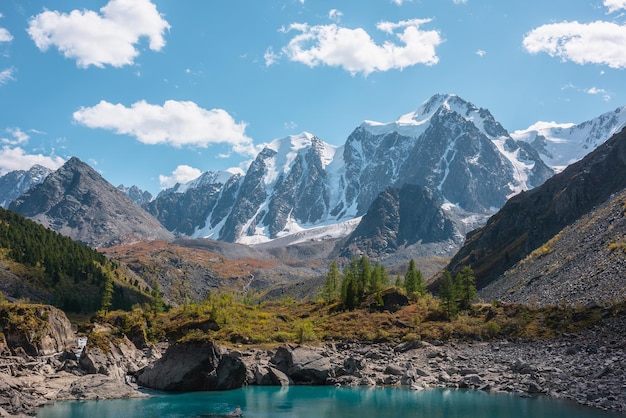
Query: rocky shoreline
x,y
589,368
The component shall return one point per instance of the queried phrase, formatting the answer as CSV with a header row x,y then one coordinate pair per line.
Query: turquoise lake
x,y
327,401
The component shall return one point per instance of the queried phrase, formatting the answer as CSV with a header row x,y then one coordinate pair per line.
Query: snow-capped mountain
x,y
197,208
301,182
16,183
561,144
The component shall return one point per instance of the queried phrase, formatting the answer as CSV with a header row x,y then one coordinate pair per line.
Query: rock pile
x,y
589,368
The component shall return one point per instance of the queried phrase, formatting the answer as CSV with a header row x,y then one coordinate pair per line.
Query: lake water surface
x,y
327,401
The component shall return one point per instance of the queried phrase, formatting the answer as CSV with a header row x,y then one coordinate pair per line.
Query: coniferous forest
x,y
73,276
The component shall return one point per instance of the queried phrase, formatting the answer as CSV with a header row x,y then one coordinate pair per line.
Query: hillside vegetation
x,y
44,266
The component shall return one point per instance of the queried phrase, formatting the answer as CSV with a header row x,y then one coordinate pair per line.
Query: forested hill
x,y
43,266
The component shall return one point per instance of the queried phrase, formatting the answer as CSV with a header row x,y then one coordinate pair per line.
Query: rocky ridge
x,y
77,202
530,219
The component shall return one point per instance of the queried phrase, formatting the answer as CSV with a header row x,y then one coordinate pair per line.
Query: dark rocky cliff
x,y
530,219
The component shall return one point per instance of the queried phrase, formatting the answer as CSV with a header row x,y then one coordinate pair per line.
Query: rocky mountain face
x,y
16,183
529,220
77,202
400,218
584,264
300,182
197,208
140,197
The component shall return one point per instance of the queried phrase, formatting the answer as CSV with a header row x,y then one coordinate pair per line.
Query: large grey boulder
x,y
194,366
304,365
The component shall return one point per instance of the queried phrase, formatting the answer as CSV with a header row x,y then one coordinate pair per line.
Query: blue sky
x,y
154,92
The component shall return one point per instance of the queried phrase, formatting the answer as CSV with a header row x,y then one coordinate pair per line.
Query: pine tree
x,y
414,283
465,287
331,284
447,295
107,293
379,279
157,305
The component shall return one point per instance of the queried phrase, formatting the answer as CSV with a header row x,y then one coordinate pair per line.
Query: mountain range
x,y
466,164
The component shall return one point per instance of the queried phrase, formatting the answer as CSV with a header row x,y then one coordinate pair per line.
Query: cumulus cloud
x,y
459,1
583,43
356,52
14,157
481,53
175,123
106,38
182,174
5,35
615,5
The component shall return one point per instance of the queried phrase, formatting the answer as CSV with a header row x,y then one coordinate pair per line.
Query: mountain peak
x,y
77,202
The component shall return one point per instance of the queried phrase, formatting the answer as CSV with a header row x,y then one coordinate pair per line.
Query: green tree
x,y
447,295
157,305
465,287
107,293
331,284
363,274
414,283
378,279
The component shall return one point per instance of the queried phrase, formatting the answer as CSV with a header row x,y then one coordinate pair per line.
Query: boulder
x,y
279,378
231,372
304,365
111,356
188,366
41,330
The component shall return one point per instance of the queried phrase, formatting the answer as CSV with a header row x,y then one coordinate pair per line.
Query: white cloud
x,y
5,35
99,39
176,123
606,96
182,174
270,57
18,137
592,43
481,53
6,75
16,158
335,15
615,5
459,1
595,90
356,52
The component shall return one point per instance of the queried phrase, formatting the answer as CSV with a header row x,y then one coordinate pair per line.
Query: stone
x,y
304,365
189,366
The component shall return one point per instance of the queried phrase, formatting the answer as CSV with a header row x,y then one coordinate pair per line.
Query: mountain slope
x,y
562,144
584,264
16,183
400,218
530,219
77,202
43,266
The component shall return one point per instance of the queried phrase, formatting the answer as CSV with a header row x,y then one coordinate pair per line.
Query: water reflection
x,y
327,402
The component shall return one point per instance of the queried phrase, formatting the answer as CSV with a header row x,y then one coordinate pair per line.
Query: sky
x,y
154,92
